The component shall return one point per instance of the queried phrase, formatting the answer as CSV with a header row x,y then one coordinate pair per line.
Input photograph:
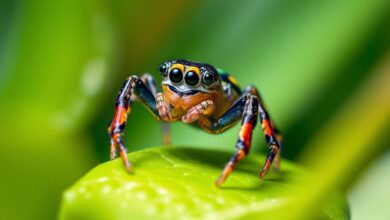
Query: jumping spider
x,y
201,95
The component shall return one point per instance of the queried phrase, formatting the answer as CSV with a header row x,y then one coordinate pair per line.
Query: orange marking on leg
x,y
267,127
246,134
120,117
241,154
228,169
123,115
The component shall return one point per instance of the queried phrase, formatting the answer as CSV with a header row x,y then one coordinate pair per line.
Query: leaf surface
x,y
178,183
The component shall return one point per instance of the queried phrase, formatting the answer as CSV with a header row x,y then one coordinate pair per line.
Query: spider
x,y
200,95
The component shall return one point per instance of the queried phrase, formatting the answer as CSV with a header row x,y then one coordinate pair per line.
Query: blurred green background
x,y
316,63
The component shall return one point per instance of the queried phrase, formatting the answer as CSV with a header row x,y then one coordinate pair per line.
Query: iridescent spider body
x,y
200,95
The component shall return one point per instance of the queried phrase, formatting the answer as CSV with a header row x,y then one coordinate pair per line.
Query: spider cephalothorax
x,y
199,94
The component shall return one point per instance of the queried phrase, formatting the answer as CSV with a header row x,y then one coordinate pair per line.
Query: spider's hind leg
x,y
279,138
278,135
272,135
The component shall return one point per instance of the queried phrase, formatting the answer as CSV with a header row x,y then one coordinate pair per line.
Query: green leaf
x,y
177,183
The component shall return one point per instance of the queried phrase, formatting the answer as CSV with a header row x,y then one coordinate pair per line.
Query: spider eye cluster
x,y
178,73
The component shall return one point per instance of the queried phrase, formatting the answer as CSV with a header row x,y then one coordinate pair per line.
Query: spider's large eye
x,y
208,79
163,69
191,78
176,75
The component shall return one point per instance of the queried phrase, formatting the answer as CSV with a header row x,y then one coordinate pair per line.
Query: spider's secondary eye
x,y
176,75
208,79
192,78
163,69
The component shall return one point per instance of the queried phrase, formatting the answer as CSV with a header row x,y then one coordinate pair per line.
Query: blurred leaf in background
x,y
62,63
54,60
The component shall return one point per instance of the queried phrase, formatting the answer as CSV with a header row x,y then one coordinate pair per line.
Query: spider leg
x,y
132,85
228,119
249,107
279,138
113,151
150,83
275,134
272,136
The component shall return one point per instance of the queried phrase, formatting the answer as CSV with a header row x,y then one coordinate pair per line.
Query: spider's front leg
x,y
150,83
248,107
132,85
